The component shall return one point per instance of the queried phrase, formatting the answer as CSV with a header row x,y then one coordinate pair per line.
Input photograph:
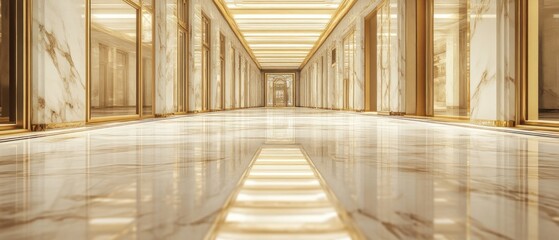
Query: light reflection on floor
x,y
282,196
168,179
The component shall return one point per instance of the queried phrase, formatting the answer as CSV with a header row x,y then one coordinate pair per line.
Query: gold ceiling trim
x,y
229,18
342,11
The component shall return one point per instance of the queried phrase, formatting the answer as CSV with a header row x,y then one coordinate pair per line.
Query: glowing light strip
x,y
282,16
282,196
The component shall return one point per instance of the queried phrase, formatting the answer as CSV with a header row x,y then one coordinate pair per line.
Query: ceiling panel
x,y
281,33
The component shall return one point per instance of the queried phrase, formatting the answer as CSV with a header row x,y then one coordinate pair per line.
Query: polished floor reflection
x,y
282,196
168,179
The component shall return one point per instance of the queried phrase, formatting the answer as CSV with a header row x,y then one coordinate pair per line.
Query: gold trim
x,y
21,65
13,131
541,123
46,126
206,59
493,123
421,71
342,11
27,31
229,18
389,113
528,63
5,127
370,60
429,64
114,118
166,115
88,60
223,68
139,8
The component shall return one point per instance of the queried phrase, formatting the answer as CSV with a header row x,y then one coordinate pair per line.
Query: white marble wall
x,y
492,76
353,20
492,81
58,62
166,56
218,26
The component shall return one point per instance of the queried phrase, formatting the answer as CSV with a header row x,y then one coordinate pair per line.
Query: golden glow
x,y
282,195
275,28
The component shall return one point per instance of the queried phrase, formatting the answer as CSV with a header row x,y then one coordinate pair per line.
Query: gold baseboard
x,y
46,126
493,123
392,113
166,115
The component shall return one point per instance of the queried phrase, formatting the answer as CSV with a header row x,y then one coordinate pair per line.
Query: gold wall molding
x,y
342,11
46,126
494,123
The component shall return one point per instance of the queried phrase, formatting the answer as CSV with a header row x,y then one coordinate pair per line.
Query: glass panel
x,y
451,58
7,77
113,58
549,60
147,61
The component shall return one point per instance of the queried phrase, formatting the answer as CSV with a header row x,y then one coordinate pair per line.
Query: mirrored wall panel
x,y
280,90
7,79
548,104
451,58
114,52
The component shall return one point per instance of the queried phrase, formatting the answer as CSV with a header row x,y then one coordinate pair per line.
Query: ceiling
x,y
282,33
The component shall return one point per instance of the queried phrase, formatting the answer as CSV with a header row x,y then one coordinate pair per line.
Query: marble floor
x,y
168,179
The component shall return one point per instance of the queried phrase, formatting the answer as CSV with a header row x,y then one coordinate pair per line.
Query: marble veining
x,y
166,51
241,76
492,58
397,178
354,19
58,78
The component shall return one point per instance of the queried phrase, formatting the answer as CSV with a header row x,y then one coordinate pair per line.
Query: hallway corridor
x,y
168,179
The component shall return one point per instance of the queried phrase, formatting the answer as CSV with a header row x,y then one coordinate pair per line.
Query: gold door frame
x,y
293,88
233,75
153,72
184,63
429,62
345,82
206,83
139,75
222,59
23,69
370,62
527,65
